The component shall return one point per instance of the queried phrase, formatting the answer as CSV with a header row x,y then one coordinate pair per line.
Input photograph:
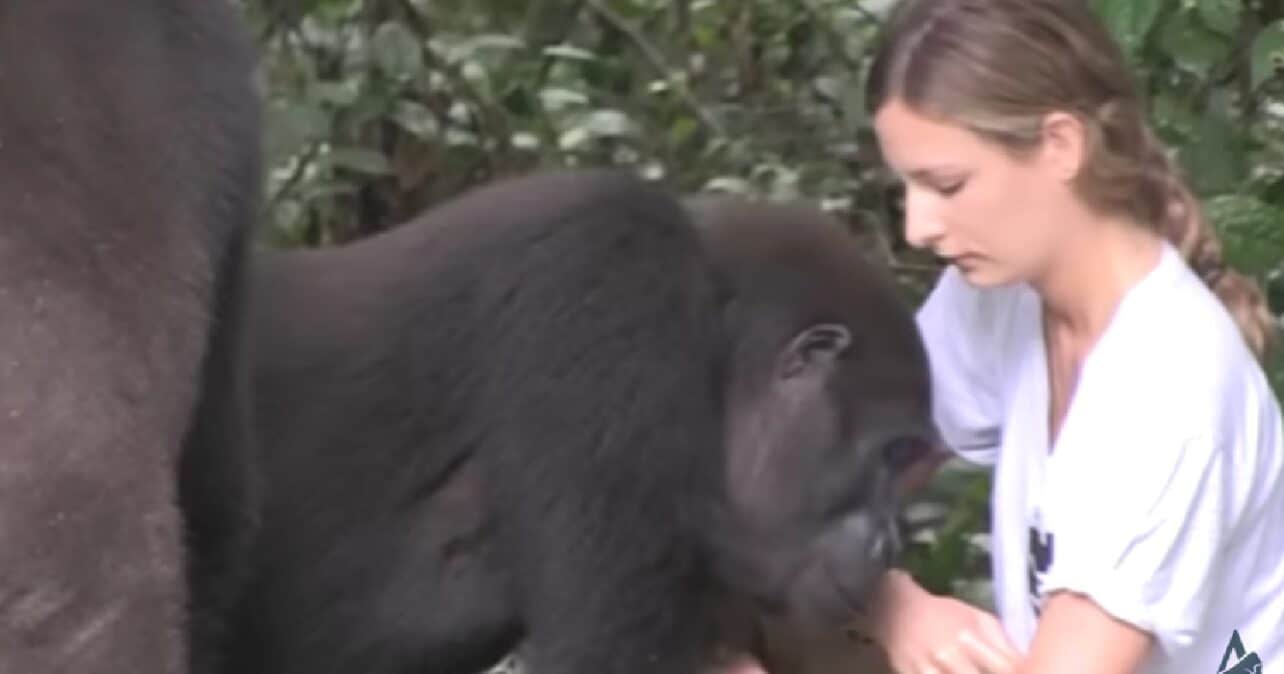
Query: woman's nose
x,y
923,224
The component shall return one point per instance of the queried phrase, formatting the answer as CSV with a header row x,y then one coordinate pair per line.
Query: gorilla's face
x,y
815,447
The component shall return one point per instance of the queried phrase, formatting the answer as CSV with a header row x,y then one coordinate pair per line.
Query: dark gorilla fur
x,y
555,411
129,173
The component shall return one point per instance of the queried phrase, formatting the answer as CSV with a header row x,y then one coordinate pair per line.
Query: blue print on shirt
x,y
1038,559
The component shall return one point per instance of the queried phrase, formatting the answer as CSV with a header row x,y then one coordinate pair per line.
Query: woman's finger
x,y
926,668
901,664
740,664
953,659
909,663
994,660
992,633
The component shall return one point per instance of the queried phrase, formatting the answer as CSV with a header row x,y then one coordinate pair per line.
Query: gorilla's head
x,y
828,402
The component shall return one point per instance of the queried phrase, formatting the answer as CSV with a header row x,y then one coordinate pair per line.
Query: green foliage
x,y
1268,53
1130,20
948,552
380,108
1252,232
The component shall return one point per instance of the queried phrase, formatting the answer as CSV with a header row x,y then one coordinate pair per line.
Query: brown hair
x,y
997,67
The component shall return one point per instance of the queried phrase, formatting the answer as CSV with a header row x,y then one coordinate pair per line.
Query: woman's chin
x,y
980,274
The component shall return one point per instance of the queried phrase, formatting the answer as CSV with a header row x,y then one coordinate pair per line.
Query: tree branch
x,y
656,60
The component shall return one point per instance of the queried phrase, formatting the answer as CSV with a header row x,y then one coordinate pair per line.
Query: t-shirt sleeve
x,y
1140,535
958,324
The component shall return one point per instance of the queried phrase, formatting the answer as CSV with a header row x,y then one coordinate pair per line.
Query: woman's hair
x,y
997,67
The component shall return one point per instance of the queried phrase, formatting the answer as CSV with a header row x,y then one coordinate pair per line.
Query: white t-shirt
x,y
1163,498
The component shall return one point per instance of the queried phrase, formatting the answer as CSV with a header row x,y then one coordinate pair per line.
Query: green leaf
x,y
1191,44
682,128
293,125
604,123
333,10
573,138
1252,232
359,159
1129,20
731,184
609,123
460,50
396,50
328,188
340,94
570,52
456,137
830,87
1275,367
490,41
1214,159
417,119
556,98
1221,15
1268,52
1173,115
525,140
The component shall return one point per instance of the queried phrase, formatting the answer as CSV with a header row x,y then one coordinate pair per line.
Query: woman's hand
x,y
920,633
739,664
923,633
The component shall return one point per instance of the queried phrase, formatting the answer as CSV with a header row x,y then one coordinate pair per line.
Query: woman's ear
x,y
1064,144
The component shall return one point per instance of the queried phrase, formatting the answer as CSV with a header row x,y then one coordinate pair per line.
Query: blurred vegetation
x,y
382,108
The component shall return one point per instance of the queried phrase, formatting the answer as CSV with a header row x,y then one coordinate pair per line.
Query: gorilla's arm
x,y
621,402
128,170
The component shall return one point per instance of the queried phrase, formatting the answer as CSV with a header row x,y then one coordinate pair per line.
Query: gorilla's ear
x,y
814,350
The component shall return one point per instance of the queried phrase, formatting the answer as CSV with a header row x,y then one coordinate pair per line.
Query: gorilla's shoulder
x,y
554,192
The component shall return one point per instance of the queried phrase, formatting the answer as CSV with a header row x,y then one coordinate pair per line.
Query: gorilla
x,y
568,412
129,176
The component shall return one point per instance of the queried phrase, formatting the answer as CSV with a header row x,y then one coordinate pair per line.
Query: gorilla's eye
x,y
904,451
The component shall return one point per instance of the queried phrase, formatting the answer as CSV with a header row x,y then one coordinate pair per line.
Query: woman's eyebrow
x,y
931,172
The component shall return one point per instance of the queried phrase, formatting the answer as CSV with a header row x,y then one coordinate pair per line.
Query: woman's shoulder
x,y
1173,320
1174,351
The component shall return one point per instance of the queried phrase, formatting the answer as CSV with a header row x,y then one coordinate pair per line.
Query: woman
x,y
1087,343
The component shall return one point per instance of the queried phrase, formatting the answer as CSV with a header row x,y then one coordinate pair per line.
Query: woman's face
x,y
992,214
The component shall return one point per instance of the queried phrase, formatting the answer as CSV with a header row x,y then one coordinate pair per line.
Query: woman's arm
x,y
1075,635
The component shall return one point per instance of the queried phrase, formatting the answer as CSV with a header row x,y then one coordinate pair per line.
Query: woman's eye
x,y
949,189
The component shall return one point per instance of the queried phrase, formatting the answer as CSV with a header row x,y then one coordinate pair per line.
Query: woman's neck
x,y
1091,274
1080,293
